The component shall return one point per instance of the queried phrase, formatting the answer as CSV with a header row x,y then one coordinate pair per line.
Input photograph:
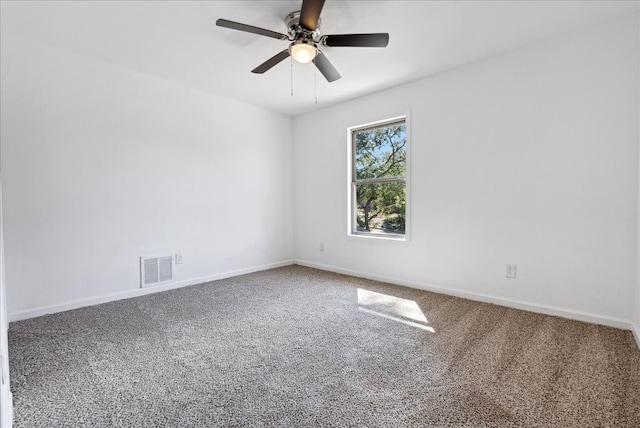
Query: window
x,y
378,195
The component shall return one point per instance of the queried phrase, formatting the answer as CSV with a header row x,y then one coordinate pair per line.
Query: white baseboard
x,y
516,304
635,329
75,304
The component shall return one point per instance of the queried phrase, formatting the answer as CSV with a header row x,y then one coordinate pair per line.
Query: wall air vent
x,y
156,270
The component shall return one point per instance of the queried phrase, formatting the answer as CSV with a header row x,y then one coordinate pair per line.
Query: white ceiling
x,y
179,41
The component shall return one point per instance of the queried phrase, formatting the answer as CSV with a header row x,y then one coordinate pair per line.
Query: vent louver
x,y
156,270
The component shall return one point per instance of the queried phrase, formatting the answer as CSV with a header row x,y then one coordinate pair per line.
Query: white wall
x,y
636,327
6,400
636,324
530,157
102,165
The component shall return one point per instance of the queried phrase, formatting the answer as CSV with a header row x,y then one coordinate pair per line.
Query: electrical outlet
x,y
511,271
179,259
322,247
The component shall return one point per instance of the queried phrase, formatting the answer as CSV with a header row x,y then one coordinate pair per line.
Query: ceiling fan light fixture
x,y
302,51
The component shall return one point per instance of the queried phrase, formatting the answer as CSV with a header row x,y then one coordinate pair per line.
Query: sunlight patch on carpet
x,y
394,308
400,320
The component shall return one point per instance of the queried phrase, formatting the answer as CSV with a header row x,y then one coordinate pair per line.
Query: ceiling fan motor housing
x,y
296,32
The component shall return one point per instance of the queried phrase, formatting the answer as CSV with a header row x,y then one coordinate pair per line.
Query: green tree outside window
x,y
379,178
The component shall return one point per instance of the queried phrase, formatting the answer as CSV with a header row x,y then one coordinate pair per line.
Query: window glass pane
x,y
380,207
380,152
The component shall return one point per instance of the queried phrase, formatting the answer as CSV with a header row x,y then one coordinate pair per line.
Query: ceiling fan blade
x,y
271,62
326,68
250,29
310,13
376,40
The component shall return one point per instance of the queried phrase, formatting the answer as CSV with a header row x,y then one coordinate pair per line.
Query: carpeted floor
x,y
298,347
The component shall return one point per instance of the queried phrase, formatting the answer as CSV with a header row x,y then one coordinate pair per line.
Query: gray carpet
x,y
298,347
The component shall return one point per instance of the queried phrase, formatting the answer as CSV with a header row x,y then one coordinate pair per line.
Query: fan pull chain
x,y
291,75
315,83
315,80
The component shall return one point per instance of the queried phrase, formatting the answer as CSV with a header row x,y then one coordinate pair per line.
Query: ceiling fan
x,y
304,35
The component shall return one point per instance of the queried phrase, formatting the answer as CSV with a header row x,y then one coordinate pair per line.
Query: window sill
x,y
377,237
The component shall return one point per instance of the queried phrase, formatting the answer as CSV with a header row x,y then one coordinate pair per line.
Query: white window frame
x,y
352,232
